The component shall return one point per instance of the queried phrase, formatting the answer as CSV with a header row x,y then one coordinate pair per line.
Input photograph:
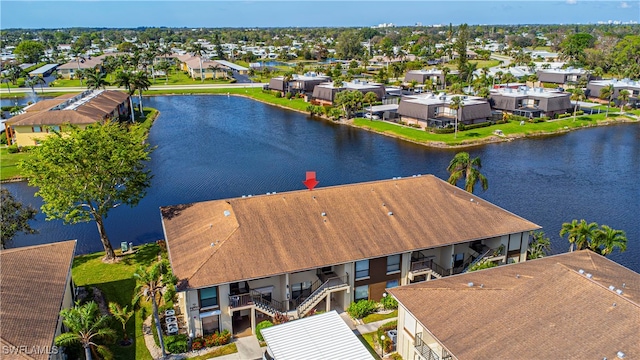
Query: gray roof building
x,y
529,102
561,76
431,109
327,91
299,83
633,87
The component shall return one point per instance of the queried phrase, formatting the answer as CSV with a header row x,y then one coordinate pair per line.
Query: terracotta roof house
x,y
324,93
577,305
35,284
633,87
562,76
531,102
288,253
83,109
431,110
299,83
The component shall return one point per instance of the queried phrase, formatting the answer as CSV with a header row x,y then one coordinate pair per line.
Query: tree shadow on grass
x,y
81,259
473,134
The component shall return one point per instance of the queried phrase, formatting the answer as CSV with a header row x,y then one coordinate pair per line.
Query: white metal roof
x,y
231,65
324,336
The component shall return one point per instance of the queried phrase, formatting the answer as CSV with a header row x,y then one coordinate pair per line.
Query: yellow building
x,y
43,117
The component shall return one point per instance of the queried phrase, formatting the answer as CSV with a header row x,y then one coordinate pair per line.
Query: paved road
x,y
4,91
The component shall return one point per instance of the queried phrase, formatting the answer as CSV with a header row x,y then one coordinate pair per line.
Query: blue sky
x,y
302,13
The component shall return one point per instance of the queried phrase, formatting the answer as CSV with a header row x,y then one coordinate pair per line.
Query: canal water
x,y
213,147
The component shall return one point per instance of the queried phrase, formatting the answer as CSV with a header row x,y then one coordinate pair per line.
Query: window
x,y
36,129
302,288
55,128
392,284
208,297
362,269
393,263
361,292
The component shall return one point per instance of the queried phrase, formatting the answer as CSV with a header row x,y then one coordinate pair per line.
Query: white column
x,y
328,302
253,320
287,289
405,268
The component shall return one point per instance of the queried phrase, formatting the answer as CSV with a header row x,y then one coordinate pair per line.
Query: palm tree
x,y
164,66
369,98
141,83
7,80
623,96
456,88
445,72
580,233
86,326
125,78
96,80
484,92
539,246
577,95
456,104
286,78
122,314
150,286
607,93
198,50
32,82
607,239
463,164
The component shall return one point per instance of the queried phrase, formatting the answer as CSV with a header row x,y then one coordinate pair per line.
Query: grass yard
x,y
117,283
485,63
178,77
9,163
513,129
377,317
368,341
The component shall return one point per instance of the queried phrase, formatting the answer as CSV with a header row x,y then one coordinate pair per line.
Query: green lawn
x,y
485,63
513,129
9,163
368,342
223,350
377,317
180,78
117,283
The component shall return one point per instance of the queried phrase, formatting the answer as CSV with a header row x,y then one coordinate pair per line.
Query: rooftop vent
x,y
581,271
227,213
470,284
612,288
481,286
517,276
324,214
390,213
620,355
213,244
244,196
619,291
589,276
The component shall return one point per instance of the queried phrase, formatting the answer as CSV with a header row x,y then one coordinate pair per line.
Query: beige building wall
x,y
25,135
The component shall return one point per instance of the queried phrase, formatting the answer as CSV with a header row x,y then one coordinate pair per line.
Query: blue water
x,y
212,147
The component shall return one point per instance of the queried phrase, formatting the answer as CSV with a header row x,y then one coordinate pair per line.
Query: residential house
x,y
233,67
287,253
633,87
562,76
302,339
35,285
69,70
435,75
577,305
89,107
210,69
325,93
44,71
434,110
299,83
381,60
535,102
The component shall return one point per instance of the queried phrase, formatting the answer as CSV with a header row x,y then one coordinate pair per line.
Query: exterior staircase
x,y
266,306
477,259
320,293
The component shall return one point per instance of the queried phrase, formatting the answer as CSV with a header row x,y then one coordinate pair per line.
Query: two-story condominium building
x,y
577,305
82,109
291,252
435,75
531,102
325,93
430,110
299,83
35,284
632,86
562,76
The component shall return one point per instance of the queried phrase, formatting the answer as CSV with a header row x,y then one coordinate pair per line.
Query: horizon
x,y
291,14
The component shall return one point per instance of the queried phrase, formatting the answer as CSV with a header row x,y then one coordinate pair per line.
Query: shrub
x,y
288,95
388,302
562,116
580,112
176,344
484,264
280,319
13,149
278,95
478,125
217,338
442,130
361,308
197,344
263,325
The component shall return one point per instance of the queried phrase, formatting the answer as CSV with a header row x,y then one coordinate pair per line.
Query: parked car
x,y
372,117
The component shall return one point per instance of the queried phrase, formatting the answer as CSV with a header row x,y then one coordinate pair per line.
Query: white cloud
x,y
625,5
572,2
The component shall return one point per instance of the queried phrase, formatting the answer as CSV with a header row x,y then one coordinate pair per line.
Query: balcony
x,y
424,350
425,267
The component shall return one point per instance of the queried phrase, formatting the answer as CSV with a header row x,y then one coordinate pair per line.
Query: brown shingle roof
x,y
273,234
92,111
539,309
32,286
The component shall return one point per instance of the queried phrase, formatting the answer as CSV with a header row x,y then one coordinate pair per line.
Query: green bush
x,y
562,116
288,95
484,264
388,302
13,149
263,325
176,344
478,125
361,308
278,94
441,130
580,112
382,330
